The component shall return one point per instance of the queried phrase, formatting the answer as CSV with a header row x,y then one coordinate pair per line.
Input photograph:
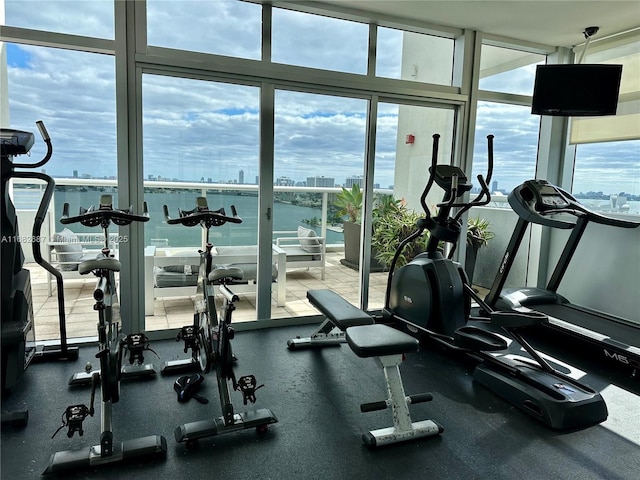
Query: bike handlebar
x,y
104,214
201,215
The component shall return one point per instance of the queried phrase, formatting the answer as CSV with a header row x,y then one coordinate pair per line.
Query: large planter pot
x,y
351,258
471,254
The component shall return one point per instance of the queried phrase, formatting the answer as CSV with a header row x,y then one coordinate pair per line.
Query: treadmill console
x,y
535,200
547,197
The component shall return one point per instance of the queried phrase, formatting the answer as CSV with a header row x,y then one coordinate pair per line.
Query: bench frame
x,y
332,330
344,322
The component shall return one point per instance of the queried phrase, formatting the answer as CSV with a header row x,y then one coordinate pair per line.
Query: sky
x,y
196,129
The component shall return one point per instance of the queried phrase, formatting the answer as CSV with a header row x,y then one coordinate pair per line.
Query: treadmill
x,y
538,201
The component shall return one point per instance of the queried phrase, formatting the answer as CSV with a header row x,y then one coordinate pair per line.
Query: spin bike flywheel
x,y
206,347
113,373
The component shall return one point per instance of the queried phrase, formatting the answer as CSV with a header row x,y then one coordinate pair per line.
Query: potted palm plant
x,y
349,204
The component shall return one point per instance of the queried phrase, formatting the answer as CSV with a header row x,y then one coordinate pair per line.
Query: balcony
x,y
171,313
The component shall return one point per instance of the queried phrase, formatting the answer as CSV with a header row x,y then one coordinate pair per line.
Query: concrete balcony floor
x,y
174,312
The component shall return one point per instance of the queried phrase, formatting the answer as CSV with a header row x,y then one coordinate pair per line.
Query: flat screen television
x,y
581,90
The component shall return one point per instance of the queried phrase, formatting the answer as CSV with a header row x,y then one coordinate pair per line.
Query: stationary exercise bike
x,y
112,344
211,346
134,344
430,297
18,331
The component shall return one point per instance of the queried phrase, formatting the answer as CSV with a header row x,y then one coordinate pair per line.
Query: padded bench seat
x,y
341,313
380,340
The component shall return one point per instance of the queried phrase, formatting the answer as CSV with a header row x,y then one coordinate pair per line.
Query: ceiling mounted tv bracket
x,y
588,33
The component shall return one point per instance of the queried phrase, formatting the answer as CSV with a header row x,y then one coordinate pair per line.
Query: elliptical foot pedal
x,y
476,339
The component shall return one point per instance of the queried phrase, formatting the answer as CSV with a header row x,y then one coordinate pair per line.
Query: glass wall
x,y
223,27
74,94
200,140
319,42
403,152
201,122
319,148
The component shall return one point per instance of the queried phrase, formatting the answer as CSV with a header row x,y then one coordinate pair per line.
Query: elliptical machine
x,y
18,331
431,298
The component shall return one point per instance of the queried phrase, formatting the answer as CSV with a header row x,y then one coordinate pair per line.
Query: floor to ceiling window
x,y
73,93
200,139
506,85
403,151
319,148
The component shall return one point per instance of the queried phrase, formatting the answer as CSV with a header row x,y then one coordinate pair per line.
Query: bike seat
x,y
187,386
222,271
101,263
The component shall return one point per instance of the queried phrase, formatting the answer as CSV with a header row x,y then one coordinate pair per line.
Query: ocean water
x,y
287,217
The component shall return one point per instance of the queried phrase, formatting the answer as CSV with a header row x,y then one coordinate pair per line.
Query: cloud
x,y
196,128
79,17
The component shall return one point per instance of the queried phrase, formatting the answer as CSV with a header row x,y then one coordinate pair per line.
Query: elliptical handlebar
x,y
104,214
432,175
484,197
201,215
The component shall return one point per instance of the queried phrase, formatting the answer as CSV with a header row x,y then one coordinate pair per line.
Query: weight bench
x,y
388,346
339,315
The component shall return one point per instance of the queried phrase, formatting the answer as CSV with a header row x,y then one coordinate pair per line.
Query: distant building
x,y
285,181
75,174
241,177
494,186
354,180
321,181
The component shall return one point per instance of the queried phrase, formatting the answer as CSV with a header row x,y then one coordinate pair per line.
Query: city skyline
x,y
590,194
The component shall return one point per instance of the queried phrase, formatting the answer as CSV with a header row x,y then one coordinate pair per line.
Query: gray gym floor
x,y
316,396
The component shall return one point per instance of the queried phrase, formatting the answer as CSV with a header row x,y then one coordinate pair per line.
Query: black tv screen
x,y
581,90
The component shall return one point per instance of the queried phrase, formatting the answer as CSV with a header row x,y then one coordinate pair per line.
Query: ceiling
x,y
549,22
